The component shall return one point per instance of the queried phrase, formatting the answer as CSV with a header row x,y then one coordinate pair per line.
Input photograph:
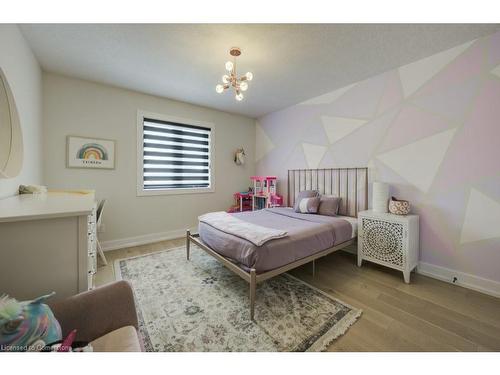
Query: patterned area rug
x,y
199,305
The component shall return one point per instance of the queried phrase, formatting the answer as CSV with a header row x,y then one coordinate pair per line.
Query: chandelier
x,y
231,80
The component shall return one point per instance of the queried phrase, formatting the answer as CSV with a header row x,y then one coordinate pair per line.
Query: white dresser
x,y
47,243
390,240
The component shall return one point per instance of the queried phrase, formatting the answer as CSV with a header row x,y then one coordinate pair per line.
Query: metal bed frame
x,y
340,174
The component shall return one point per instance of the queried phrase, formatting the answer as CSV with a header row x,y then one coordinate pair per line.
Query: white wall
x,y
25,80
76,107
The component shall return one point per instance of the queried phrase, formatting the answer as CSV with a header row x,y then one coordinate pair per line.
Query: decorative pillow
x,y
304,194
27,325
308,205
399,206
329,205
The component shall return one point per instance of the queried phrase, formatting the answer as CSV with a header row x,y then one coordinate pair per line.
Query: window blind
x,y
175,156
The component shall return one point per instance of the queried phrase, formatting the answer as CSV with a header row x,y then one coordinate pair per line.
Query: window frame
x,y
140,155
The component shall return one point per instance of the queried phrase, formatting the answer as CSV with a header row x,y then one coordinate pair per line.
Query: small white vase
x,y
380,197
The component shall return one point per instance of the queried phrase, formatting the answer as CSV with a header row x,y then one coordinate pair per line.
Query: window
x,y
175,155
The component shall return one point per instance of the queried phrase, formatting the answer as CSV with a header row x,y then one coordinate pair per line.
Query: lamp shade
x,y
380,197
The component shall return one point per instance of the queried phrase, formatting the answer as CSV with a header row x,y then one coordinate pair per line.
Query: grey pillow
x,y
304,194
329,205
308,205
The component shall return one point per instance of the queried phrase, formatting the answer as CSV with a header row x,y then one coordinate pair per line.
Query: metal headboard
x,y
350,184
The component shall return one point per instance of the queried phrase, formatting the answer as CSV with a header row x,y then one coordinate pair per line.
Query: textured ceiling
x,y
291,62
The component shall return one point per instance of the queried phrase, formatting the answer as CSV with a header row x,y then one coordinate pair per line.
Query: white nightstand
x,y
389,240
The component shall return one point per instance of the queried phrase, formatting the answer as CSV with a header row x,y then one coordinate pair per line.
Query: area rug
x,y
199,305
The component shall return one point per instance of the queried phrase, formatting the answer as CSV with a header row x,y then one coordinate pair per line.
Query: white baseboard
x,y
465,280
143,240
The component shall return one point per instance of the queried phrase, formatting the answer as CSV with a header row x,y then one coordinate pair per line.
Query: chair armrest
x,y
97,312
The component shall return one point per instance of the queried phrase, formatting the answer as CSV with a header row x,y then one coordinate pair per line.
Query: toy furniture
x,y
264,192
262,195
243,202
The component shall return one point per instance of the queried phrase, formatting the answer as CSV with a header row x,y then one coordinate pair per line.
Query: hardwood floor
x,y
426,315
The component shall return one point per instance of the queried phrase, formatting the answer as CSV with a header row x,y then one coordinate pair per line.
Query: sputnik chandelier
x,y
231,80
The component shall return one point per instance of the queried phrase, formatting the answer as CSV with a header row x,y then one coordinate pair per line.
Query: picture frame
x,y
90,153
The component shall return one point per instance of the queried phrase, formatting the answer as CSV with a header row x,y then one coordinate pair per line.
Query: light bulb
x,y
239,97
249,76
243,86
229,66
225,78
219,89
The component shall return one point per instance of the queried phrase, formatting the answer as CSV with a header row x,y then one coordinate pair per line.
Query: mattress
x,y
354,224
307,235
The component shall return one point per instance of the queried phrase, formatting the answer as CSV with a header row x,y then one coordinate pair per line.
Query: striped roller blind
x,y
176,156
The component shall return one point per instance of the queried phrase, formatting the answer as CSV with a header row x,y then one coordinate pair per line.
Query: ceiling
x,y
290,62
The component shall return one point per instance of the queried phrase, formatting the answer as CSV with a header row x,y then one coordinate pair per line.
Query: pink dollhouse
x,y
264,192
262,196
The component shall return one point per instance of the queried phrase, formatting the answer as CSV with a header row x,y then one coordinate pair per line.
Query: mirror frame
x,y
14,163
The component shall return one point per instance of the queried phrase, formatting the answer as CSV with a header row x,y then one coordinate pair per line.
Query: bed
x,y
309,236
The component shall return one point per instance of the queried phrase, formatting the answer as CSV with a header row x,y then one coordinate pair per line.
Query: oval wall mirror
x,y
11,138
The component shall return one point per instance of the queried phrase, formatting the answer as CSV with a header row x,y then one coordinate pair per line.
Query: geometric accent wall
x,y
328,97
418,162
263,143
496,71
431,129
313,154
416,74
337,128
482,218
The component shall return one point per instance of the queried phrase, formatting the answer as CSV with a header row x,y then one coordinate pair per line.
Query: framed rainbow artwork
x,y
90,153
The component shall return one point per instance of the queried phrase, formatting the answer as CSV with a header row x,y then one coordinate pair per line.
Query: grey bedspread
x,y
307,235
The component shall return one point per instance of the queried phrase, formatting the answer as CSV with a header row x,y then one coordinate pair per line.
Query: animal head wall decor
x,y
239,156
